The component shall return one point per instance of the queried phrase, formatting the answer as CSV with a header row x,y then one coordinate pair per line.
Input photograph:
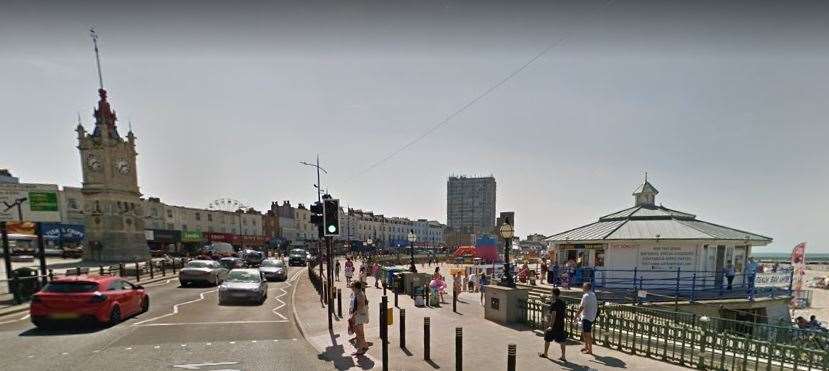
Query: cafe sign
x,y
191,236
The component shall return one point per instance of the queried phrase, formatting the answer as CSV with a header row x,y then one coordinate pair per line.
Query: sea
x,y
814,258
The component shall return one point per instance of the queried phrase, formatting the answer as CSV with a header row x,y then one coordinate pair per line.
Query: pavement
x,y
185,329
484,342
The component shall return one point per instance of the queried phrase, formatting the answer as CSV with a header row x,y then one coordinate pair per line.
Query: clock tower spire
x,y
112,205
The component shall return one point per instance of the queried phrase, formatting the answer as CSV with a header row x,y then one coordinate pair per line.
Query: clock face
x,y
93,163
122,166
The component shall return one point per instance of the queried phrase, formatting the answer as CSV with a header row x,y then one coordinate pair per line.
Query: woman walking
x,y
375,271
358,317
349,270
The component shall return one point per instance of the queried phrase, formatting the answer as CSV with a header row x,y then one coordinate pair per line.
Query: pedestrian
x,y
588,310
555,330
375,271
337,270
457,285
358,317
729,274
542,269
750,275
363,275
482,281
349,270
556,271
472,281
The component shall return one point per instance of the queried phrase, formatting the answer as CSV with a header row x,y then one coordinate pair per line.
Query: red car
x,y
102,300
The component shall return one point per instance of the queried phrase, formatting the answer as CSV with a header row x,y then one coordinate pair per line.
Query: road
x,y
185,329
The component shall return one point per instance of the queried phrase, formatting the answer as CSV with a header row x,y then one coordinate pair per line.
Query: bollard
x,y
121,269
511,357
402,328
426,347
395,299
458,348
339,303
322,294
51,276
100,270
137,273
77,271
384,288
174,266
150,263
384,332
163,269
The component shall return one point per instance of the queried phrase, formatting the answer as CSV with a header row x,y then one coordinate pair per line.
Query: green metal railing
x,y
693,341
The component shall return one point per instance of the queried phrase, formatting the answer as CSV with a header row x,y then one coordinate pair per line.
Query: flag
x,y
798,261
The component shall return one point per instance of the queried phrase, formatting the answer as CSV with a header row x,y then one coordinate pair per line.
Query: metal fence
x,y
694,341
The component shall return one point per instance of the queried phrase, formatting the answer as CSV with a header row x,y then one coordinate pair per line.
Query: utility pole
x,y
319,199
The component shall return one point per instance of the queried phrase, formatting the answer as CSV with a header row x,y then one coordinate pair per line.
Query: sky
x,y
724,104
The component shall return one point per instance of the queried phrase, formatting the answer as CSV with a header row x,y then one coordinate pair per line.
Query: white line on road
x,y
208,323
175,308
159,284
15,320
198,366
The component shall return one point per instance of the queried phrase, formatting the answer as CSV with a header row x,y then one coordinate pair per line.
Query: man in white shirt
x,y
588,310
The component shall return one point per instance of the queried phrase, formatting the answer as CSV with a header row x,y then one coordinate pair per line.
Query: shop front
x,y
162,241
191,241
254,242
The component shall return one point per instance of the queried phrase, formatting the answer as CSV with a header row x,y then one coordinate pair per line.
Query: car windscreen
x,y
272,263
71,287
198,264
298,252
243,276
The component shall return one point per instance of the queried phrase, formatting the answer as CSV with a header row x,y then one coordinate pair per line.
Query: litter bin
x,y
26,283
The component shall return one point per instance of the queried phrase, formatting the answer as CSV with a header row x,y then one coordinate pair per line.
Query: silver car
x,y
274,269
243,285
202,271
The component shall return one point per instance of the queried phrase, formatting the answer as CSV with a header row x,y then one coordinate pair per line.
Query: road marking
x,y
129,348
64,353
209,323
184,345
15,320
159,284
175,308
157,347
208,344
282,303
233,342
198,366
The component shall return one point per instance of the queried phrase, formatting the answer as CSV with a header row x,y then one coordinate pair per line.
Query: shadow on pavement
x,y
569,365
433,364
610,361
335,354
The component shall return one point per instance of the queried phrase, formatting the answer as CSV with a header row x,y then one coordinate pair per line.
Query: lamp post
x,y
412,240
507,232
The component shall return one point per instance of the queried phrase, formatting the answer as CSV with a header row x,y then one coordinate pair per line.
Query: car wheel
x,y
145,304
114,316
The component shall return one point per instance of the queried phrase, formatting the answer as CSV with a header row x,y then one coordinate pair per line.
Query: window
x,y
198,216
73,203
209,217
169,213
155,212
184,227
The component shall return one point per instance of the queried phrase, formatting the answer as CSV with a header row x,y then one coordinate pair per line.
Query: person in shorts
x,y
555,331
588,310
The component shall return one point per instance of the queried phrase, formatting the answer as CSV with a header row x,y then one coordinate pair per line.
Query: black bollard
x,y
322,294
511,357
339,303
150,263
100,270
137,273
458,348
174,266
163,269
402,328
395,299
426,325
121,269
384,332
51,276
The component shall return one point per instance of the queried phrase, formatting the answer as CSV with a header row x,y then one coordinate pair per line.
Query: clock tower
x,y
112,205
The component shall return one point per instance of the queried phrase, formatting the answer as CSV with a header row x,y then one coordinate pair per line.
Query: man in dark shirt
x,y
555,331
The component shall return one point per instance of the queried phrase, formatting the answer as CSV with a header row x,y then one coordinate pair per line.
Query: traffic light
x,y
331,217
316,216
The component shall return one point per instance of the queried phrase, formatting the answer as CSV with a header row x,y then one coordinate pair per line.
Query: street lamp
x,y
412,240
507,232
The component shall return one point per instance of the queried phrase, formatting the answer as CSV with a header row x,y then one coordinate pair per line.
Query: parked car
x,y
298,257
103,300
274,269
253,258
232,263
244,285
204,271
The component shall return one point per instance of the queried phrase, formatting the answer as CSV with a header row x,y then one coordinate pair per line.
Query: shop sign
x,y
18,227
43,201
191,236
65,232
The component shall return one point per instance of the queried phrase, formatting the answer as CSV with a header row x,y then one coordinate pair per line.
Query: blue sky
x,y
724,105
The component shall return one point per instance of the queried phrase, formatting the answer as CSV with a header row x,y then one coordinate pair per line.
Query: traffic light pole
x,y
330,278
